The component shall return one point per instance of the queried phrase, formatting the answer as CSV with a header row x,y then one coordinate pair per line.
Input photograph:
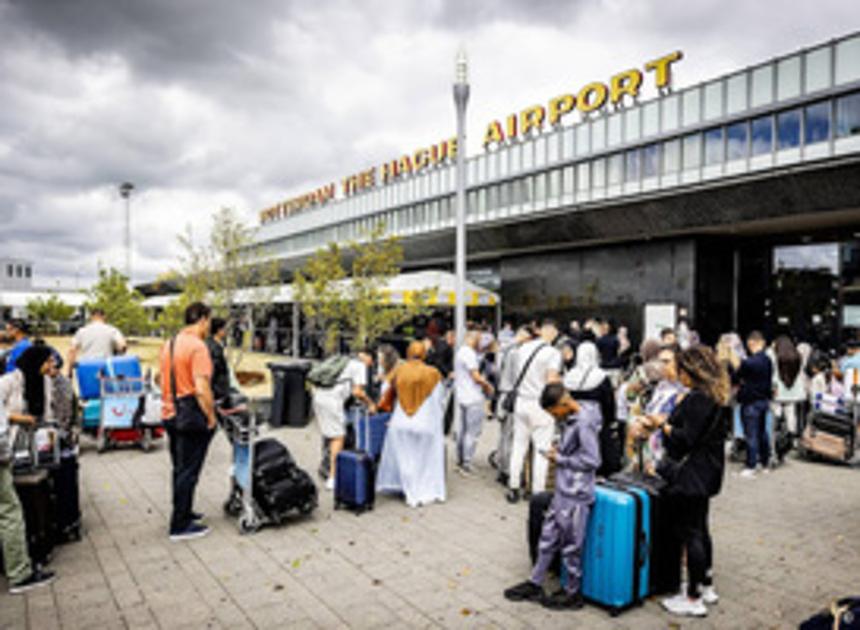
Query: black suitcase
x,y
664,573
67,517
538,505
294,491
35,492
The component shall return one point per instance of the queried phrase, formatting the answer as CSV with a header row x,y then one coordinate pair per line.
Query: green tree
x,y
121,304
49,311
341,290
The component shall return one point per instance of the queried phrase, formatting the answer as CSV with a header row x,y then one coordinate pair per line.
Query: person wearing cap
x,y
19,331
96,340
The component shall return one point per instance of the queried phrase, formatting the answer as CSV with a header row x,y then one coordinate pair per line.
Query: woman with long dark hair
x,y
789,383
693,465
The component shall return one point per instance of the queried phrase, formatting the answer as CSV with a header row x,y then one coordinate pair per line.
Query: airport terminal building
x,y
737,200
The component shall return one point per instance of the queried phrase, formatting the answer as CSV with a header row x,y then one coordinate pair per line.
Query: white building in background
x,y
17,289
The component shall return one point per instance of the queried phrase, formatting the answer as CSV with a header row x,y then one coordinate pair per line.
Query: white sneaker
x,y
747,473
684,606
329,484
709,595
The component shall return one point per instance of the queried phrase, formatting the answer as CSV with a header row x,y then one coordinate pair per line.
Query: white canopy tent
x,y
436,288
16,301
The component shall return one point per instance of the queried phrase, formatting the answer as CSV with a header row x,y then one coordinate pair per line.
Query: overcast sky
x,y
209,103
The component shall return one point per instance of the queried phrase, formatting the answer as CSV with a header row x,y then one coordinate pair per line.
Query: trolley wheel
x,y
493,459
102,441
146,441
248,525
307,507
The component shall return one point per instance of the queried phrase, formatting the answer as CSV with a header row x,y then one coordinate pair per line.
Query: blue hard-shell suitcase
x,y
89,370
615,564
354,481
370,439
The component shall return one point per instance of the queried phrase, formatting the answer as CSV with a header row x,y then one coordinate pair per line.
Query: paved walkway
x,y
785,545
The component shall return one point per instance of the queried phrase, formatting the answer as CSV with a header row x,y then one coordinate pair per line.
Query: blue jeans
x,y
754,418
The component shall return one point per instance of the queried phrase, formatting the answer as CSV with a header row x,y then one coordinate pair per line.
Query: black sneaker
x,y
37,578
562,600
195,530
513,496
526,591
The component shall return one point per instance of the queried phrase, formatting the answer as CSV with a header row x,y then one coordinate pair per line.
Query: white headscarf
x,y
586,374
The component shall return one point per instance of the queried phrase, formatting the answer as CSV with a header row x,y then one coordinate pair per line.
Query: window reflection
x,y
736,141
762,135
788,129
692,151
714,146
616,166
671,156
817,122
631,170
650,163
848,115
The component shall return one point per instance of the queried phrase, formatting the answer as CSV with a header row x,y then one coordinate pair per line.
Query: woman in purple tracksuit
x,y
577,458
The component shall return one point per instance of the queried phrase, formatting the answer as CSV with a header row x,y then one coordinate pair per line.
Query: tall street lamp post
x,y
461,98
125,192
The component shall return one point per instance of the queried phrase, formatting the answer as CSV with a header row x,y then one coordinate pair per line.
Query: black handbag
x,y
189,416
510,399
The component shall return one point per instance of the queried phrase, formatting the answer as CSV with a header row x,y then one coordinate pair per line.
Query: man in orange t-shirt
x,y
190,368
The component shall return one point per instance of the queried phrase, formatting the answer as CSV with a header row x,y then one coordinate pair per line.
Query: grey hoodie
x,y
579,454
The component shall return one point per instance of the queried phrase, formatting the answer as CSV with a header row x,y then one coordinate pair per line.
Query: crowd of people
x,y
574,404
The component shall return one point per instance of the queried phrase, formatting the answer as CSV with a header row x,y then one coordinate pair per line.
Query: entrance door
x,y
805,292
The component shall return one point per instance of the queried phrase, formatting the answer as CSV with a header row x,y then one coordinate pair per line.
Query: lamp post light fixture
x,y
461,98
125,192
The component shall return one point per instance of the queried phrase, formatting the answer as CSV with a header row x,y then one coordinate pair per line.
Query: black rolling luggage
x,y
279,484
37,502
67,513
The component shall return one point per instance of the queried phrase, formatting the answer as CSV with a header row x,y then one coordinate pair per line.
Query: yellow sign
x,y
589,98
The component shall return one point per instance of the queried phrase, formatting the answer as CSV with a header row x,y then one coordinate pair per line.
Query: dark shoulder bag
x,y
510,399
189,416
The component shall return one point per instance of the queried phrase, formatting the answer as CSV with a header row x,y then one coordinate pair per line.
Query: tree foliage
x,y
49,311
122,305
359,307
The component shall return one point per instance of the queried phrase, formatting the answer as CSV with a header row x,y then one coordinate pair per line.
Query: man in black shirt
x,y
755,378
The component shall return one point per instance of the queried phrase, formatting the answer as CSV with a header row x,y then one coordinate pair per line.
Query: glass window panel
x,y
527,189
651,119
848,60
553,144
434,184
472,205
614,133
492,166
504,161
817,69
540,151
670,106
567,181
598,134
598,173
516,152
650,161
848,115
816,122
615,169
583,139
554,183
482,169
736,141
583,175
473,169
632,165
568,150
762,135
632,131
788,77
762,86
540,187
714,146
671,156
713,100
788,129
528,155
493,197
506,195
736,97
692,151
482,200
692,104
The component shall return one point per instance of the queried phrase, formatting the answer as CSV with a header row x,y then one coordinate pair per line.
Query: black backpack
x,y
843,614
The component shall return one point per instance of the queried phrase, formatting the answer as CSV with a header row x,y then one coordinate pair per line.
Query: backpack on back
x,y
327,373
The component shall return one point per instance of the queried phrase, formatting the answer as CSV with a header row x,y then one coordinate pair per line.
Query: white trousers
x,y
531,423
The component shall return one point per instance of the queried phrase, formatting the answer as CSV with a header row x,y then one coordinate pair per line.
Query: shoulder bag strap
x,y
584,378
527,365
172,374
